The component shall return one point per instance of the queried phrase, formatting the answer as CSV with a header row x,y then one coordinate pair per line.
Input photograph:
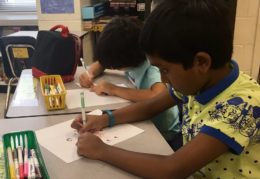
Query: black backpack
x,y
56,52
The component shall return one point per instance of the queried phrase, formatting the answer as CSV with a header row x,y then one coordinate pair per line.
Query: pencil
x,y
83,64
20,157
11,163
15,157
36,164
83,108
25,156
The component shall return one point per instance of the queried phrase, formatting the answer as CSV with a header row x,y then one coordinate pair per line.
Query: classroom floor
x,y
2,105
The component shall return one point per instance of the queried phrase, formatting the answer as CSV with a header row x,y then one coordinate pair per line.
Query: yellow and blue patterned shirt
x,y
230,112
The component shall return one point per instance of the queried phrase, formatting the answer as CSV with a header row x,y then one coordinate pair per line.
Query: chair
x,y
16,56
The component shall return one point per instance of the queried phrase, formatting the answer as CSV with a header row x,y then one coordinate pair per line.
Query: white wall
x,y
247,36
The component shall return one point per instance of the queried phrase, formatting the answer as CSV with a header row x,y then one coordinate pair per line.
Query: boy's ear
x,y
202,61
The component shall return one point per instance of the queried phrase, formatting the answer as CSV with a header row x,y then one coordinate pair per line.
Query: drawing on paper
x,y
73,137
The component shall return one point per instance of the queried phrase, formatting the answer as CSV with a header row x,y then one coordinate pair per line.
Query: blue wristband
x,y
111,118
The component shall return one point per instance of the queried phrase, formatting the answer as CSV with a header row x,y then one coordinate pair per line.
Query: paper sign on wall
x,y
57,7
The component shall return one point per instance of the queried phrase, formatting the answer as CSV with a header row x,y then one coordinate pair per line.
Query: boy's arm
x,y
144,110
187,160
131,94
135,112
95,69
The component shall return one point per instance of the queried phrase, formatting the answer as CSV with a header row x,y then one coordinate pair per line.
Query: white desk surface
x,y
150,141
15,111
25,33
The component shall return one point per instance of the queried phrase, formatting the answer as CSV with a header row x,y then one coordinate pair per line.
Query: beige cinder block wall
x,y
247,36
256,58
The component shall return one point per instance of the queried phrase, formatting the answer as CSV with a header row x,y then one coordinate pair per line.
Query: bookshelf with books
x,y
95,20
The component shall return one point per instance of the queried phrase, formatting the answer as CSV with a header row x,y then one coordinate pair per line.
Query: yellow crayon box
x,y
54,92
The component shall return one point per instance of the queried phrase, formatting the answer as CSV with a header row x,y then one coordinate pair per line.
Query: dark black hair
x,y
176,30
118,46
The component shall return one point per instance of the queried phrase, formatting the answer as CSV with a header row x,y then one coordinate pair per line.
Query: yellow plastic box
x,y
54,92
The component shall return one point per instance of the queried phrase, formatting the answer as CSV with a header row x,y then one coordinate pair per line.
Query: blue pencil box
x,y
92,12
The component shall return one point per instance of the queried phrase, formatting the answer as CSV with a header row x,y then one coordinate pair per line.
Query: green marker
x,y
83,108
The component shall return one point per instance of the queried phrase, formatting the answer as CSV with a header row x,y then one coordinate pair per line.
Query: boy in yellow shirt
x,y
191,42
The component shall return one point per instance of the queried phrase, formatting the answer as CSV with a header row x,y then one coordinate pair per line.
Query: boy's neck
x,y
217,75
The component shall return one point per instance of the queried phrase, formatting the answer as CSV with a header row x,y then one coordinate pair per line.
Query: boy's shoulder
x,y
245,87
243,93
153,69
246,80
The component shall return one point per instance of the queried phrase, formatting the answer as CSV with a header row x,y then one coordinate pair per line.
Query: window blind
x,y
17,5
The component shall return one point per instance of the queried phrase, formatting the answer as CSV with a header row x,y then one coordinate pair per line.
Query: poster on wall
x,y
57,6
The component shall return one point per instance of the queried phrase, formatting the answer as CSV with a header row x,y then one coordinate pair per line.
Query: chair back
x,y
16,54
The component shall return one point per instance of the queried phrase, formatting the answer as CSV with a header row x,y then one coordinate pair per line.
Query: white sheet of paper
x,y
119,133
91,99
61,139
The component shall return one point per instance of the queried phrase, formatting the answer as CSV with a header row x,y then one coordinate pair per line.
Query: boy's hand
x,y
103,87
77,123
90,146
86,80
94,123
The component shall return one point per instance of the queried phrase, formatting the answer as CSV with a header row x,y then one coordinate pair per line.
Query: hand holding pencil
x,y
94,123
93,70
86,78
